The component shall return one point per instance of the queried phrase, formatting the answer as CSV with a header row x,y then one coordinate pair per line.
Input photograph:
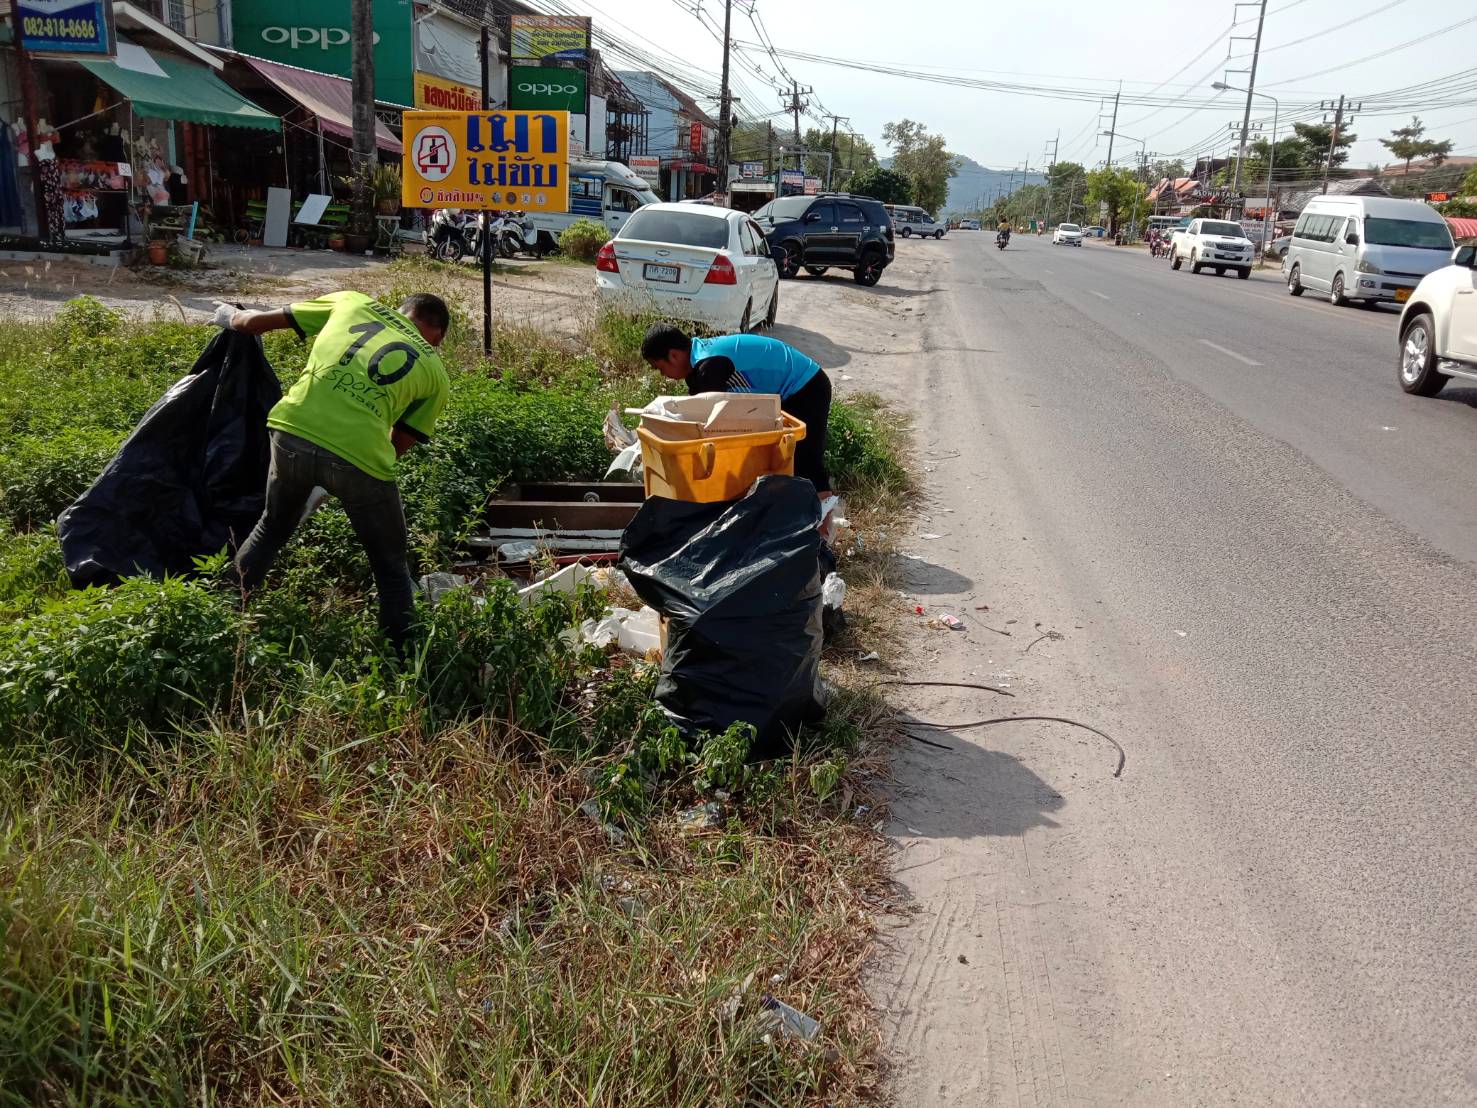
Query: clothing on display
x,y
53,222
79,206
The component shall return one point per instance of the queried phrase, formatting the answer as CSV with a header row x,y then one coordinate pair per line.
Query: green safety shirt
x,y
369,371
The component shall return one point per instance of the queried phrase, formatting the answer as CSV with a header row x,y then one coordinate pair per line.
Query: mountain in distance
x,y
975,184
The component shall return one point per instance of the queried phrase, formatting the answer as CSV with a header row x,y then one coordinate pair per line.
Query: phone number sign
x,y
486,160
67,26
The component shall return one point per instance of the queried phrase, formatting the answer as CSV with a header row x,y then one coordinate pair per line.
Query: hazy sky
x,y
1083,44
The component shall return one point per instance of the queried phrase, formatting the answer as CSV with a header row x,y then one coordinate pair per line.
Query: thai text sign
x,y
67,26
695,138
485,160
545,36
648,166
434,93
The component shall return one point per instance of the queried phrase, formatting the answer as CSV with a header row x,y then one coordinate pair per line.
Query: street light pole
x,y
1267,220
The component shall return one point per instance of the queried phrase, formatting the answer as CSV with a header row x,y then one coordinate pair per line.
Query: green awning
x,y
187,92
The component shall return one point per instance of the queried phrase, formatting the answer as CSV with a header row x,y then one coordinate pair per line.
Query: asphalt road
x,y
1253,557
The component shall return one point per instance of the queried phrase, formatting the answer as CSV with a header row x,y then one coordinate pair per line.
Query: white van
x,y
607,192
909,221
1368,248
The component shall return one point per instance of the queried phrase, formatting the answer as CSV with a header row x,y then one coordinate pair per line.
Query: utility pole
x,y
1339,119
769,152
1055,143
1113,127
831,169
1250,88
485,53
28,105
725,109
795,106
362,43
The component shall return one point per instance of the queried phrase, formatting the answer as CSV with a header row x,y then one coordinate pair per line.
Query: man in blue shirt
x,y
752,363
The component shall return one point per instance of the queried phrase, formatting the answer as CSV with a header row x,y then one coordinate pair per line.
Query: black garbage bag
x,y
740,584
190,480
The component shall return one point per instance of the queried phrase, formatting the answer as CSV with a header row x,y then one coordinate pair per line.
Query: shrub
x,y
859,446
31,570
583,239
42,474
102,662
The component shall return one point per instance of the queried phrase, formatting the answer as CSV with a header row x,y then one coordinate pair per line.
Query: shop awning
x,y
171,88
1462,227
331,99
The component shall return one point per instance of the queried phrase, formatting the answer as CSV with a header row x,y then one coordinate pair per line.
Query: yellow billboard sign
x,y
480,160
434,94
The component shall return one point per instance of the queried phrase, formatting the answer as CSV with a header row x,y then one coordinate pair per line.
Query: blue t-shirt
x,y
749,363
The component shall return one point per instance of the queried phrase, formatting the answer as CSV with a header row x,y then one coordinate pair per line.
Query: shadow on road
x,y
1467,396
812,343
925,577
974,792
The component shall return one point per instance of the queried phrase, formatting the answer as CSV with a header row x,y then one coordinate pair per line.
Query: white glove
x,y
224,313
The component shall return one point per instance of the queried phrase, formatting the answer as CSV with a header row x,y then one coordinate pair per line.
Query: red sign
x,y
695,139
1437,197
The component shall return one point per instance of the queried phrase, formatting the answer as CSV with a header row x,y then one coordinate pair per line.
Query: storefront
x,y
318,126
126,143
685,180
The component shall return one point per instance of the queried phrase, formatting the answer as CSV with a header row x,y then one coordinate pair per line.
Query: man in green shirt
x,y
372,389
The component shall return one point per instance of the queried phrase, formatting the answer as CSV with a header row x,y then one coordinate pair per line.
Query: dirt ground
x,y
549,293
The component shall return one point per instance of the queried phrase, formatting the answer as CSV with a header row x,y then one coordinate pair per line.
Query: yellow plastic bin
x,y
723,467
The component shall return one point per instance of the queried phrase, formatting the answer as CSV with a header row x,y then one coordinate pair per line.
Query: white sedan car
x,y
1069,233
705,264
1438,326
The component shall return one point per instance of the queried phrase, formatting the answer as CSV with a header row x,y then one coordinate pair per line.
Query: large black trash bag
x,y
190,480
740,583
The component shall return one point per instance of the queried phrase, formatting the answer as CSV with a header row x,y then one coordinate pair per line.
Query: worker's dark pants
x,y
812,406
374,511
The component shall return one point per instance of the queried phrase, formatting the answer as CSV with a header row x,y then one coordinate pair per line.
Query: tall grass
x,y
244,859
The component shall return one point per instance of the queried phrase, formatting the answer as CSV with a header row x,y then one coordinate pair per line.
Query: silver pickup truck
x,y
1215,244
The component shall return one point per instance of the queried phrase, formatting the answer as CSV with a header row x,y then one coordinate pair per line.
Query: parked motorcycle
x,y
454,234
516,235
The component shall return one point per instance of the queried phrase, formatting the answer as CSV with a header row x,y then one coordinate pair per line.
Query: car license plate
x,y
667,273
1402,295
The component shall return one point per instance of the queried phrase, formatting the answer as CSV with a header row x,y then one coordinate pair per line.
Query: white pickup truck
x,y
1215,244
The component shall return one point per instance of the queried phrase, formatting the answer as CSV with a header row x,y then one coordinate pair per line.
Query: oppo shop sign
x,y
545,88
316,36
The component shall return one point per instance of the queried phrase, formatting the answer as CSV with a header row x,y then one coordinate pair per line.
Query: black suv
x,y
832,229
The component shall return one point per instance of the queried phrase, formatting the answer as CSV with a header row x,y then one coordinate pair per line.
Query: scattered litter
x,y
930,535
791,1021
1054,636
946,621
846,377
632,906
705,817
918,608
617,435
626,465
436,585
636,633
1182,634
833,592
870,656
567,581
981,607
963,961
616,836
